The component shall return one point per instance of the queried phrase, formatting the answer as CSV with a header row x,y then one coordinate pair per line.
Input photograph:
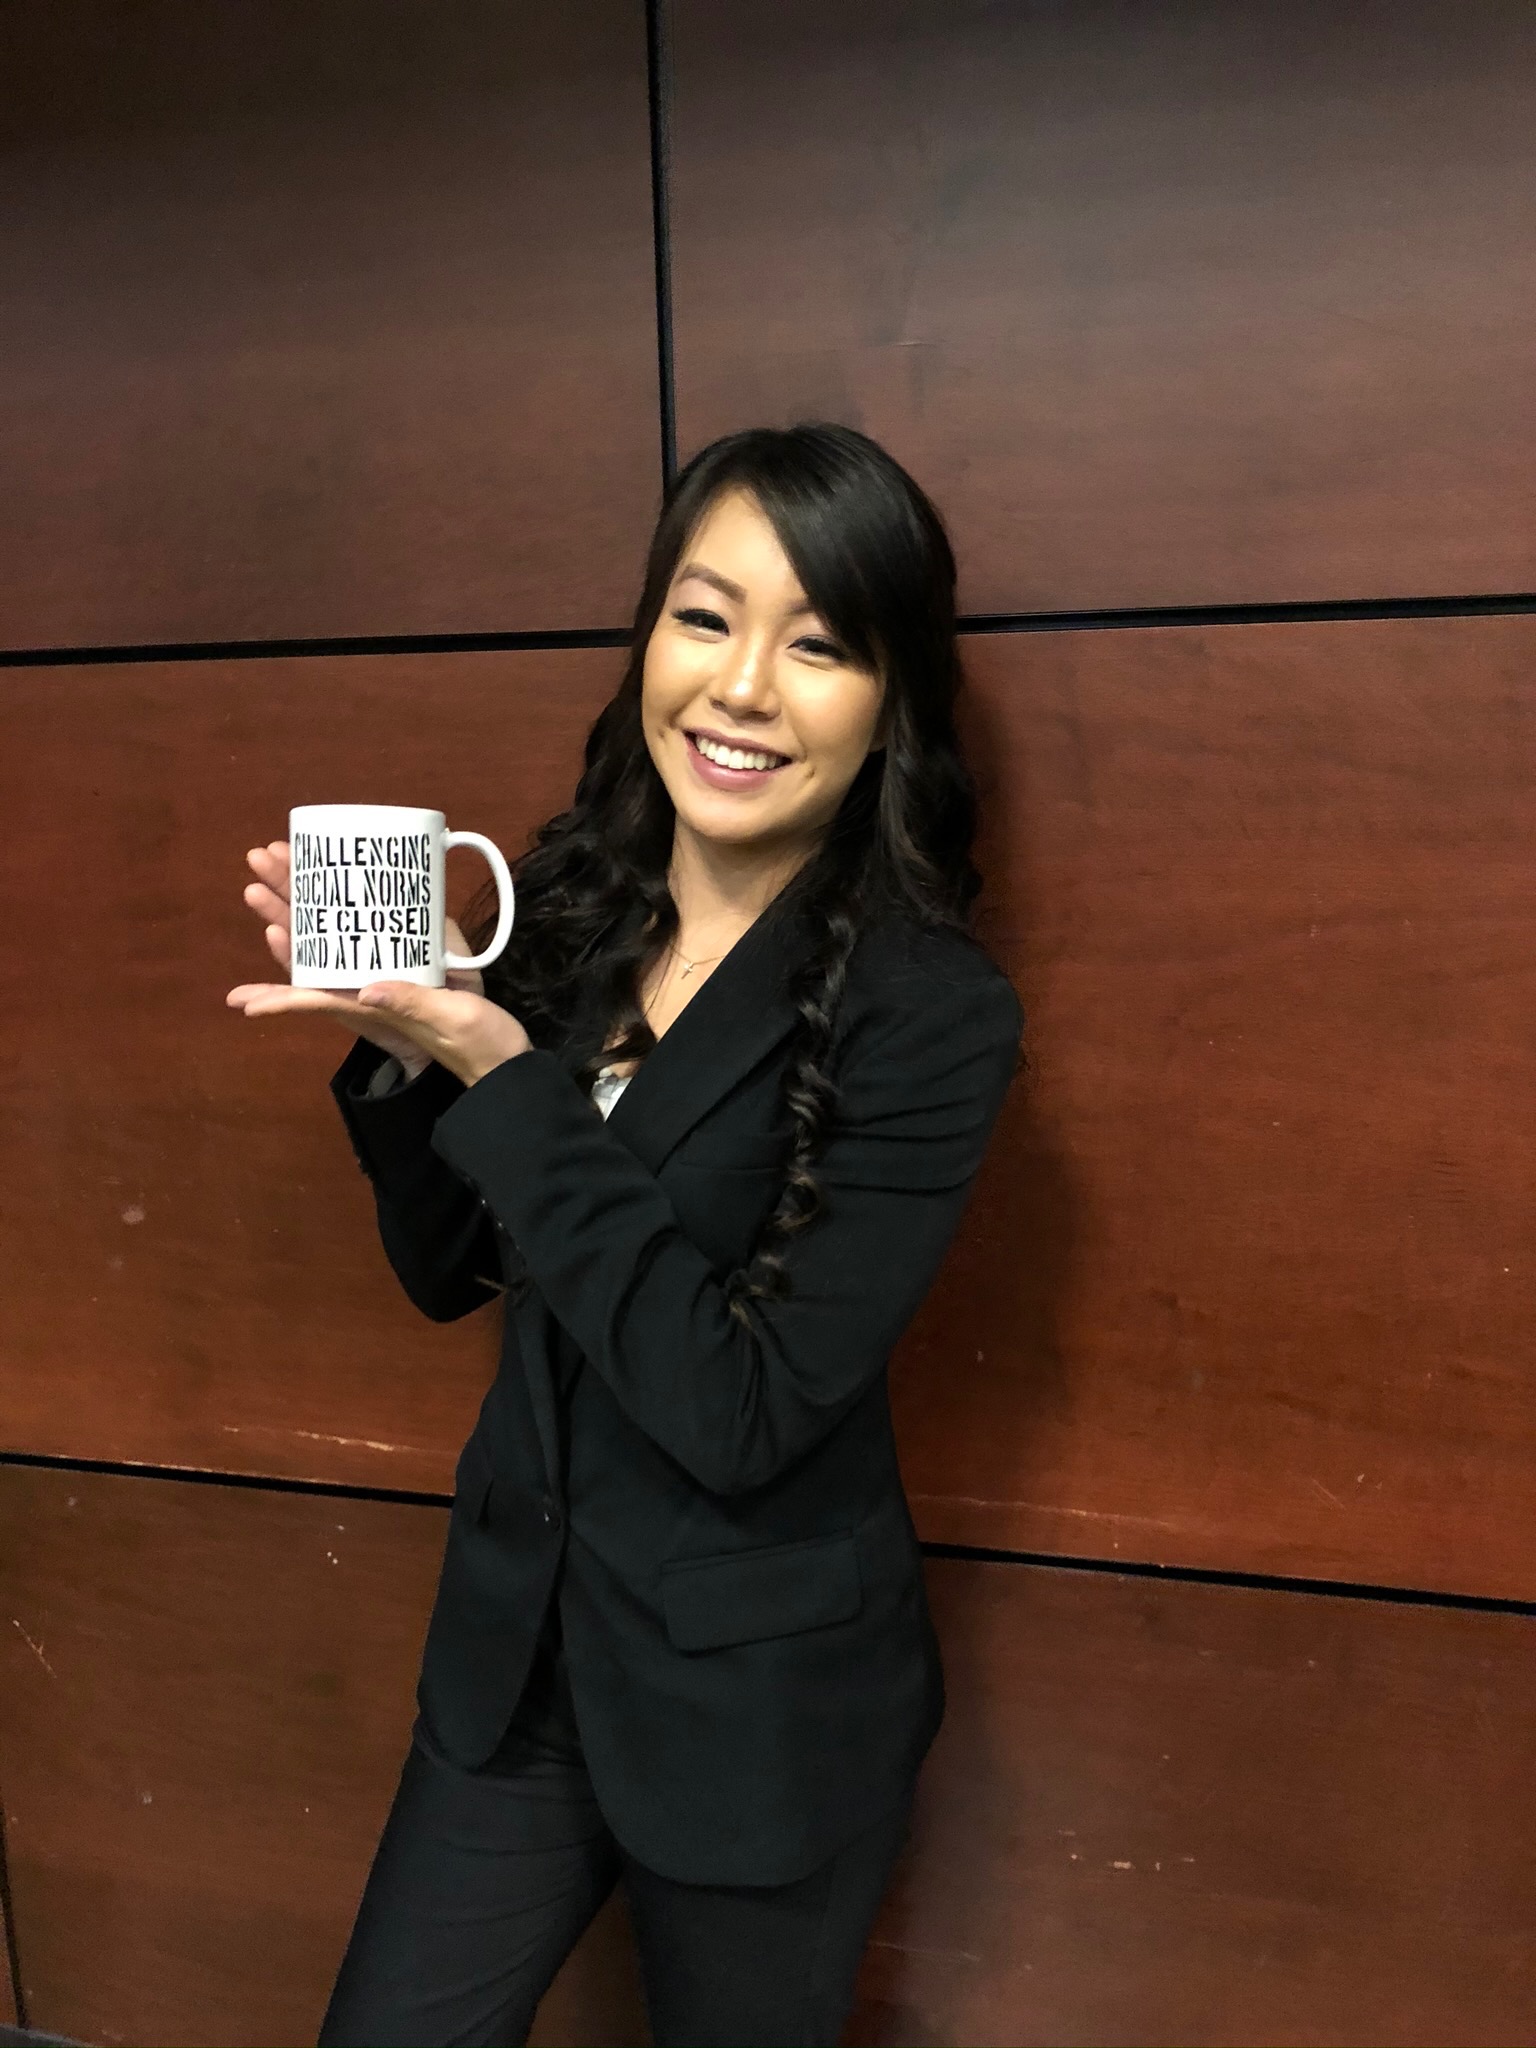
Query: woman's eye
x,y
827,650
696,615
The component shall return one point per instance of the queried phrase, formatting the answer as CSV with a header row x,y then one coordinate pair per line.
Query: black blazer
x,y
750,1656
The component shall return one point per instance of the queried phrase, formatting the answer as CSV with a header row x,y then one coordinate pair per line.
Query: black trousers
x,y
484,1881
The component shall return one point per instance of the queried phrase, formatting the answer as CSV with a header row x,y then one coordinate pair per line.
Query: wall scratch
x,y
316,1436
941,1955
35,1648
1035,1507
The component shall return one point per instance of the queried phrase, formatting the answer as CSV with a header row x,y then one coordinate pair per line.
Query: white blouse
x,y
607,1089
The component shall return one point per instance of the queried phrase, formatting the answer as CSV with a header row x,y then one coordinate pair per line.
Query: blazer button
x,y
551,1511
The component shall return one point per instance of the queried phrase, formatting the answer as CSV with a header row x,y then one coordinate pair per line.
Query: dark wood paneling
x,y
205,1697
1166,304
1156,1813
1250,1278
1236,1274
1178,1813
189,1272
322,320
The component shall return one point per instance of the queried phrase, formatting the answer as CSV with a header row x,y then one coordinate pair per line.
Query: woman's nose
x,y
747,683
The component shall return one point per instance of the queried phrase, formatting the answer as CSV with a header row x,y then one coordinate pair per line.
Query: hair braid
x,y
811,1097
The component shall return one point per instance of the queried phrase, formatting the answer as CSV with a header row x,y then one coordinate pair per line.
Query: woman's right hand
x,y
268,896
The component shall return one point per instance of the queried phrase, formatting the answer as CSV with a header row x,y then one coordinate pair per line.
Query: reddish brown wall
x,y
1173,1812
205,1694
190,1269
1266,891
1169,304
322,320
340,322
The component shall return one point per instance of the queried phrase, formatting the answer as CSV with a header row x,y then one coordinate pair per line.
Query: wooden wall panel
x,y
205,1697
1167,1813
322,320
1157,1812
189,1272
1167,304
1250,1278
1242,1243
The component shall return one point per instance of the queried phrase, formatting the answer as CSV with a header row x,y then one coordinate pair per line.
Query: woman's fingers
x,y
468,978
278,999
270,865
268,896
267,904
462,1032
271,908
273,912
272,998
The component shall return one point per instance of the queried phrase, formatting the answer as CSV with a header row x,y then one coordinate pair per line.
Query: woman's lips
x,y
719,777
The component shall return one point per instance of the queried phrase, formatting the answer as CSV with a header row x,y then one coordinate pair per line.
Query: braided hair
x,y
594,907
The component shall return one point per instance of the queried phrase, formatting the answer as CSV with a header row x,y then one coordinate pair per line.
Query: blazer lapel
x,y
737,1018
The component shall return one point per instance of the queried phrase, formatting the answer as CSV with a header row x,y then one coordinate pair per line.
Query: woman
x,y
681,1636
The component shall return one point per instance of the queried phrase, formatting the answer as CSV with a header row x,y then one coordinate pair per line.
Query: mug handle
x,y
504,900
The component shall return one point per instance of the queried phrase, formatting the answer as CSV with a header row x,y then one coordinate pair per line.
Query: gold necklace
x,y
689,965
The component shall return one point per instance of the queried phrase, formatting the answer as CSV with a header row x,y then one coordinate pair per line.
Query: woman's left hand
x,y
467,1034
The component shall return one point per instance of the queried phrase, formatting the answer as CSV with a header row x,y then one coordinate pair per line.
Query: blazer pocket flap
x,y
748,1596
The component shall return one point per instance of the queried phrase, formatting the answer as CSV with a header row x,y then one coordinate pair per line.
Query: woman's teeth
x,y
734,757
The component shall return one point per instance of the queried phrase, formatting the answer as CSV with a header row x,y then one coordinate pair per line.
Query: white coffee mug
x,y
368,899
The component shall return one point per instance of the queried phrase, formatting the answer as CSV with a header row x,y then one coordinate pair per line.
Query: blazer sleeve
x,y
737,1400
435,1231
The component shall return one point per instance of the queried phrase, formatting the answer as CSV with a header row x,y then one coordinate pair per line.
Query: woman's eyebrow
x,y
727,588
715,581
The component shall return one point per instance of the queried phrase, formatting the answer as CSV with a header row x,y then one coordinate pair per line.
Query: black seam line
x,y
1322,612
1198,1575
286,650
192,1475
1300,612
1265,1582
658,79
12,1939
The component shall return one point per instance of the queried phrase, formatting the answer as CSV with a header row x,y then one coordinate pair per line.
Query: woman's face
x,y
756,719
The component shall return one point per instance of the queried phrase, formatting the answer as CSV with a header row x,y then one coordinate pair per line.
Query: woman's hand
x,y
455,1025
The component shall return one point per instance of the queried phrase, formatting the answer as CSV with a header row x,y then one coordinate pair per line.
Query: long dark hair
x,y
593,905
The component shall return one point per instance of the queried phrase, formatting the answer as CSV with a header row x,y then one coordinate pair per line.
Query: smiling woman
x,y
799,598
709,1126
